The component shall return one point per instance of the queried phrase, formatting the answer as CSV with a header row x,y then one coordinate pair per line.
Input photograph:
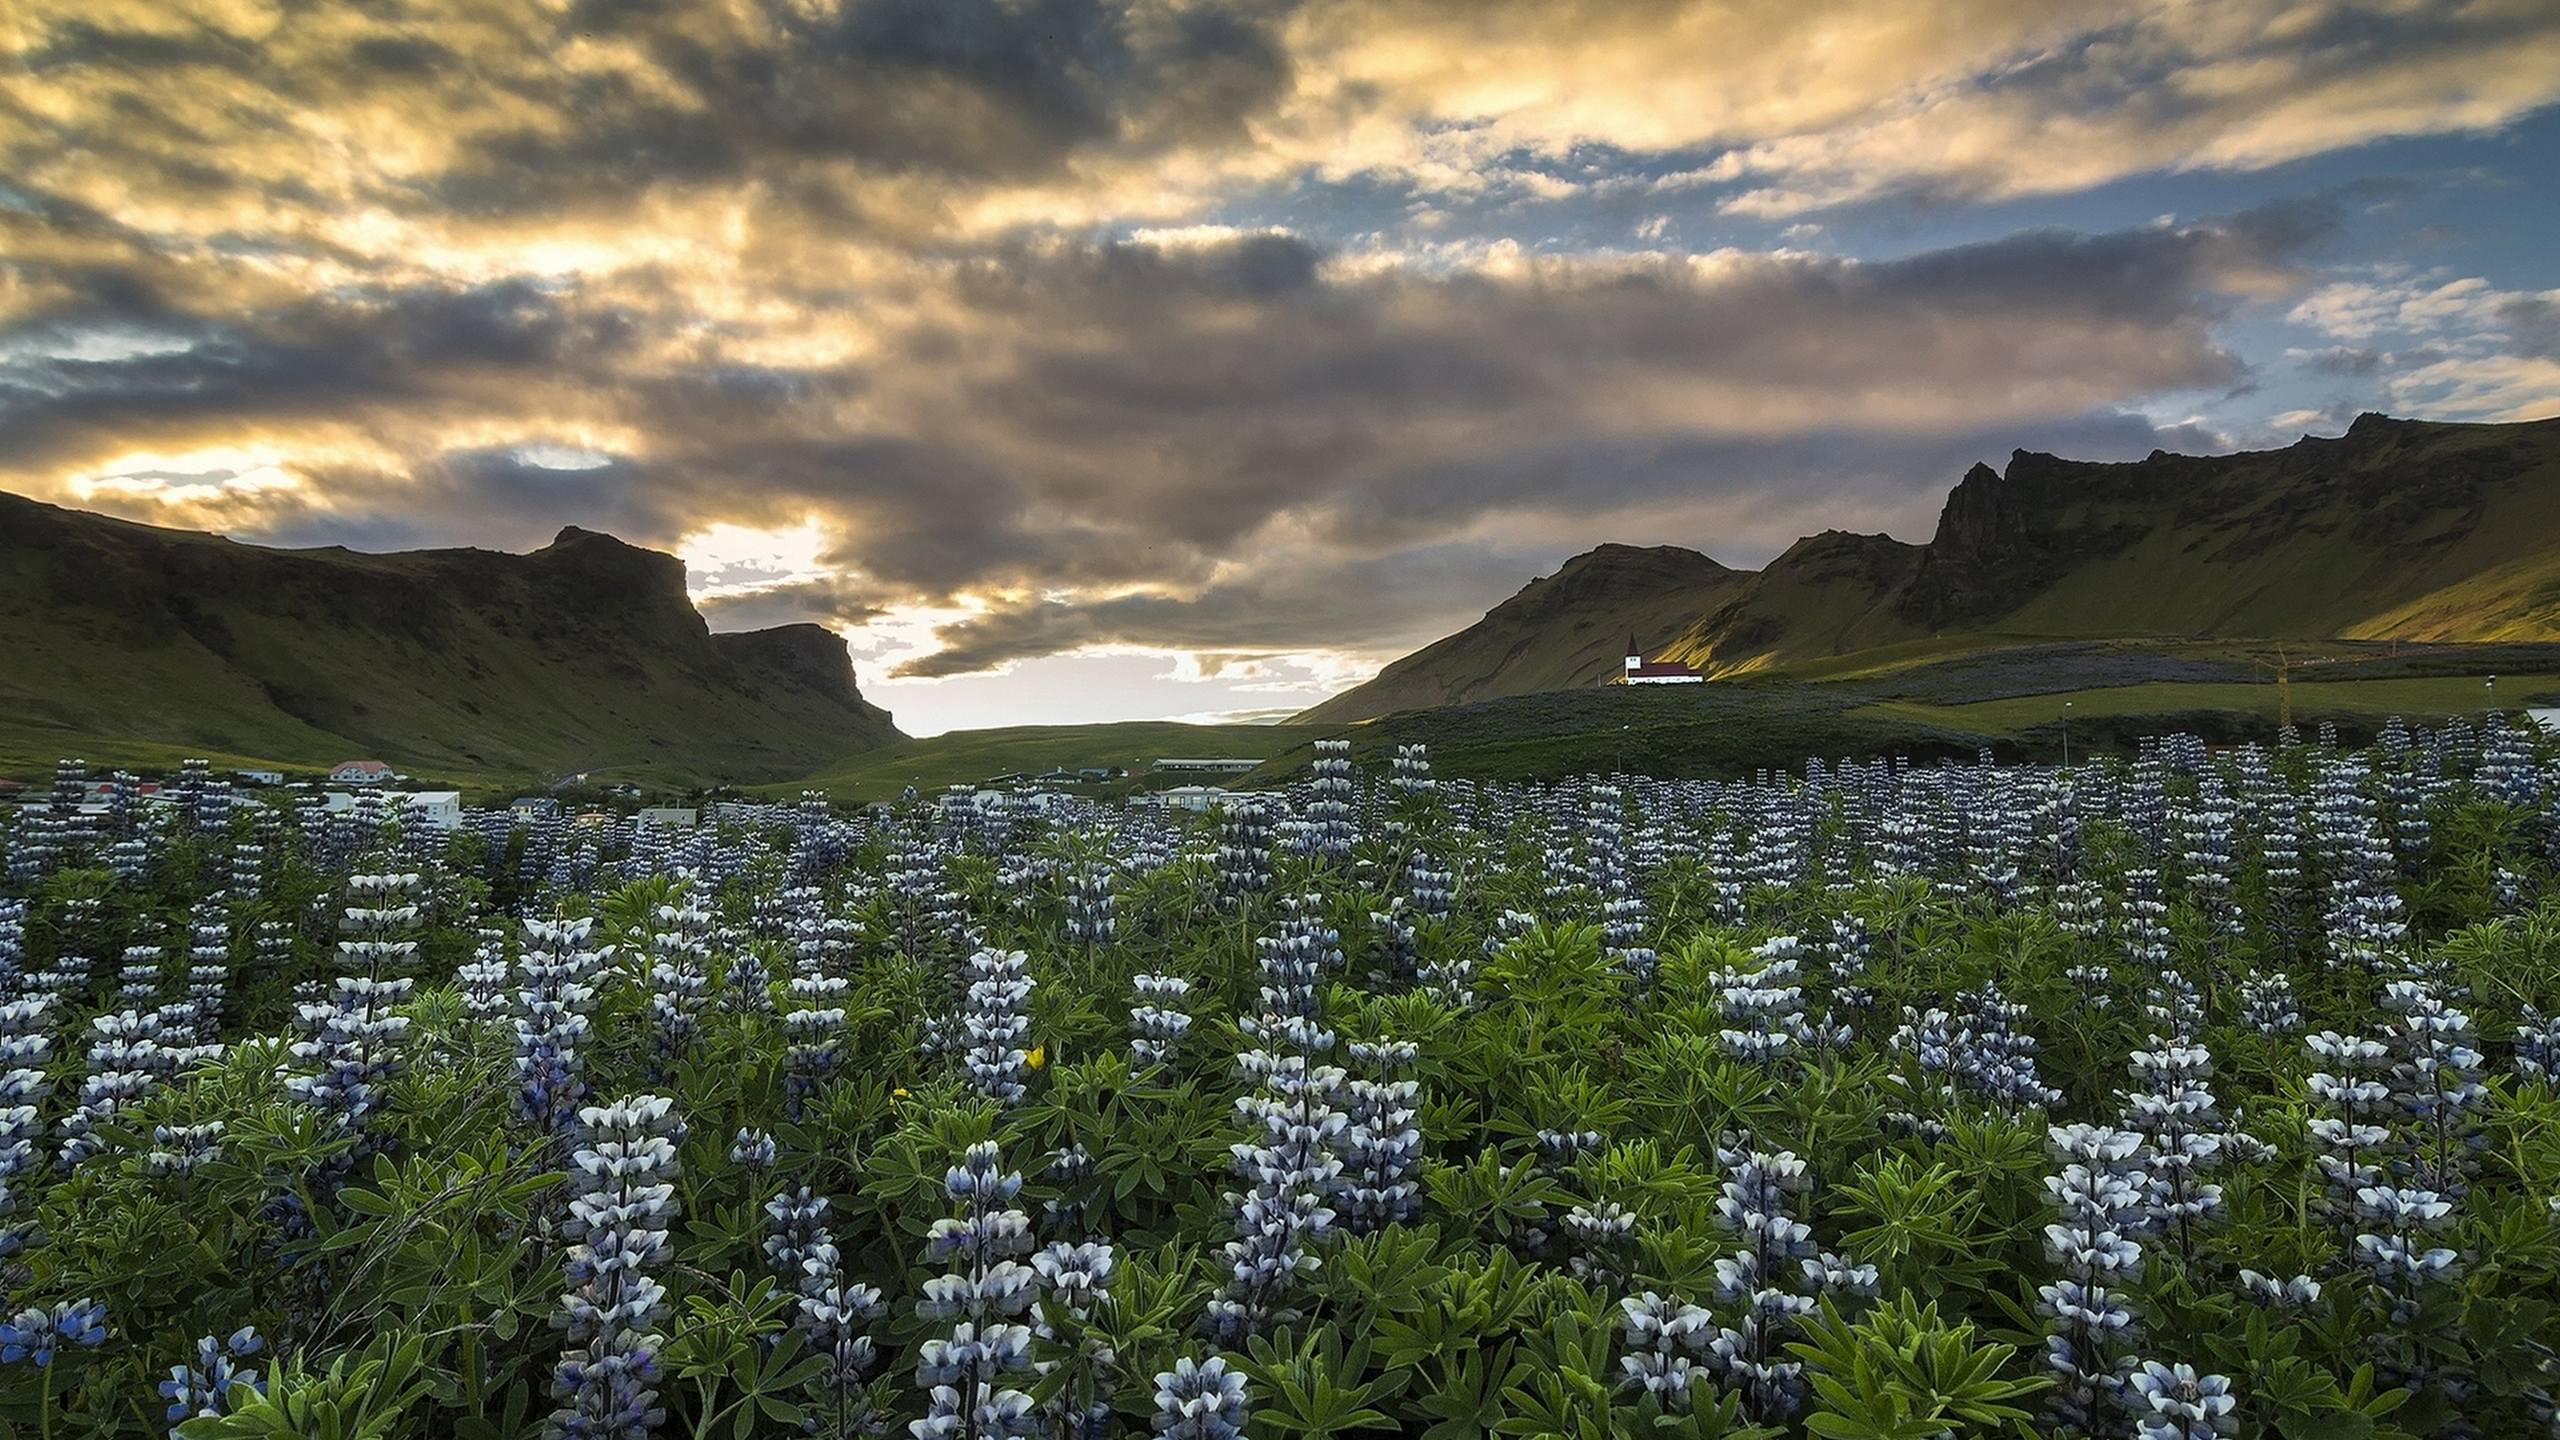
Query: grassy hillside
x,y
130,641
1724,729
1826,595
966,756
2415,698
2010,700
2400,529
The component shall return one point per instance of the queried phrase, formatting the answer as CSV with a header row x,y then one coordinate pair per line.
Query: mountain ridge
x,y
1628,588
2397,529
583,654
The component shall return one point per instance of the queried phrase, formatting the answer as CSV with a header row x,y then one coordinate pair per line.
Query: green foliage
x,y
363,1396
409,1278
1899,1372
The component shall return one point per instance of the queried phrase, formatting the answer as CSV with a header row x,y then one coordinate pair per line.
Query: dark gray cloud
x,y
1378,603
68,387
2533,325
2347,360
962,91
829,600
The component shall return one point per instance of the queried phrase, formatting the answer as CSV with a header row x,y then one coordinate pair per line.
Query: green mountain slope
x,y
585,654
1824,596
1564,630
2399,529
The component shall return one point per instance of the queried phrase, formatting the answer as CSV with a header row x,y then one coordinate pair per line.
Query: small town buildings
x,y
360,772
1223,765
1641,671
1035,802
1012,802
667,817
258,777
1192,797
539,807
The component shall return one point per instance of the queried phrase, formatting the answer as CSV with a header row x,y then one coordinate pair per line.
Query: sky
x,y
1102,359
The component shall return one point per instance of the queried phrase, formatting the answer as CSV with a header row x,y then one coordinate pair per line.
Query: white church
x,y
1641,671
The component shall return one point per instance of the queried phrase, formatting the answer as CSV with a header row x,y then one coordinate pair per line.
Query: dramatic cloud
x,y
2462,347
1157,428
2233,85
1264,337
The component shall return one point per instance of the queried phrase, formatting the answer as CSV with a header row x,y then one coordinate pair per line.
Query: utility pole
x,y
2284,686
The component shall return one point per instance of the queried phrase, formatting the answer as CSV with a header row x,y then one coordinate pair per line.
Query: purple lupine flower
x,y
622,1203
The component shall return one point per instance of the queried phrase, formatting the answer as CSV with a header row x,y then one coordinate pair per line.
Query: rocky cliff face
x,y
583,654
810,656
2001,537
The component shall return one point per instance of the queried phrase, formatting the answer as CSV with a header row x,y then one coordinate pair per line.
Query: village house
x,y
667,817
435,809
360,772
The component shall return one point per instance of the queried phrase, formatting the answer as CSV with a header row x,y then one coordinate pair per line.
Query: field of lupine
x,y
2198,1094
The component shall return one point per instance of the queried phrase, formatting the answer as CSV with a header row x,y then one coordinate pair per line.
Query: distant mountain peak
x,y
2410,528
1614,552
